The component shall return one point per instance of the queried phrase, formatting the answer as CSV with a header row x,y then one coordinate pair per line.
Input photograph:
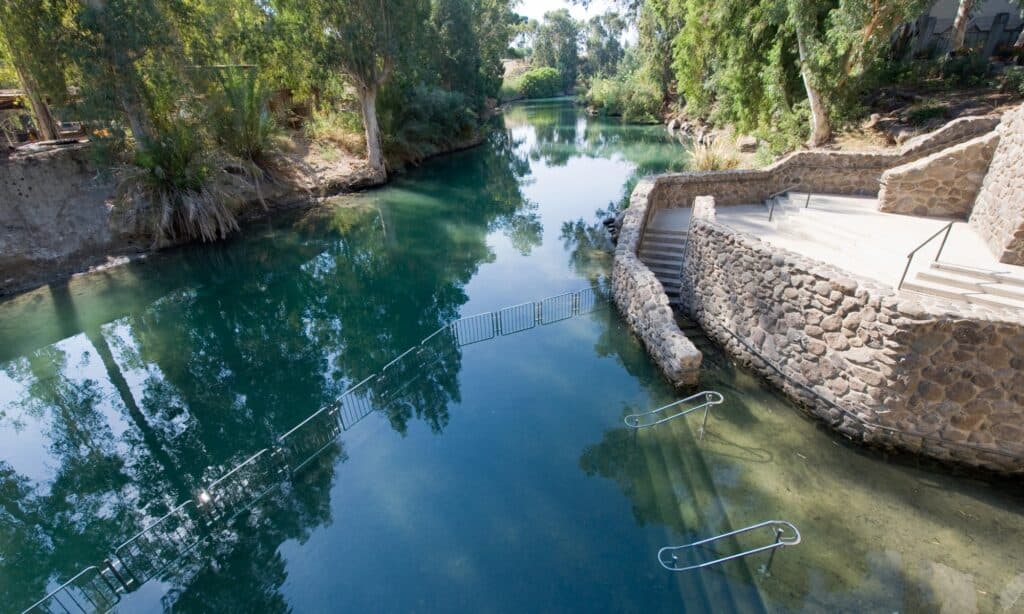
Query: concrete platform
x,y
850,233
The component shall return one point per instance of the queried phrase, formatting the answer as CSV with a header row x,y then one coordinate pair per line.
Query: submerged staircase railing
x,y
657,416
172,536
785,534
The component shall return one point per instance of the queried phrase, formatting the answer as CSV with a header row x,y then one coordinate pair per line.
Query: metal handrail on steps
x,y
771,210
669,558
910,257
636,421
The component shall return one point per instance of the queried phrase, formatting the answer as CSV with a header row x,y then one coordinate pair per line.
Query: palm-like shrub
x,y
179,188
720,155
241,120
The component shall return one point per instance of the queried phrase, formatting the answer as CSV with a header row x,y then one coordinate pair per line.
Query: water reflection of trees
x,y
246,339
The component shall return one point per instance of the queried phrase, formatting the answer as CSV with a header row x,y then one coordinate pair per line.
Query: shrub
x,y
542,82
925,112
632,97
965,70
242,122
178,188
421,121
1013,81
341,127
721,155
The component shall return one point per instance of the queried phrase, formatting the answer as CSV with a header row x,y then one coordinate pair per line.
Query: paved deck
x,y
850,233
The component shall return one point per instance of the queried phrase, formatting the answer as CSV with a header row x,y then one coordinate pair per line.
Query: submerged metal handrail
x,y
173,535
670,560
910,257
710,398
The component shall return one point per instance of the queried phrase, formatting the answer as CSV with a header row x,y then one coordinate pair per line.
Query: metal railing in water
x,y
175,534
658,416
785,534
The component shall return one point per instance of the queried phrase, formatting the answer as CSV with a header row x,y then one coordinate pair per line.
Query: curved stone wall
x,y
999,210
642,301
822,171
878,366
943,184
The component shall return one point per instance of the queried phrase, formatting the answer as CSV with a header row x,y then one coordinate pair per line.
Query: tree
x,y
27,31
802,14
958,32
114,43
458,50
557,45
365,40
603,44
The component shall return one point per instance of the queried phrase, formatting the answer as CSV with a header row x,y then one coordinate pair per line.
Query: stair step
x,y
660,268
662,244
983,274
671,255
963,296
965,282
668,234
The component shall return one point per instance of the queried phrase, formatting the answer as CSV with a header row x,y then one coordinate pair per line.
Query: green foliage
x,y
721,155
557,46
542,82
602,45
965,71
1013,81
923,113
423,120
241,122
179,188
738,62
634,97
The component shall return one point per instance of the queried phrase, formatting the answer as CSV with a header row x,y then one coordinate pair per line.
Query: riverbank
x,y
58,204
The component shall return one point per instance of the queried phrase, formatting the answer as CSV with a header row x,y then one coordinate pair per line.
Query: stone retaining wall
x,y
822,171
943,184
883,368
999,210
642,301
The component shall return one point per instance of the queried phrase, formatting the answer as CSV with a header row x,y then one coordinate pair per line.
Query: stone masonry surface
x,y
821,171
999,210
885,368
642,301
943,184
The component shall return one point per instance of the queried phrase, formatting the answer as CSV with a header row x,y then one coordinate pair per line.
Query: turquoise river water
x,y
504,480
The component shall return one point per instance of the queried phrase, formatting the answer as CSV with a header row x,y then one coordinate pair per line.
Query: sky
x,y
535,9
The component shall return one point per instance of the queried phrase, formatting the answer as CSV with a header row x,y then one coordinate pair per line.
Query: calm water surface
x,y
505,480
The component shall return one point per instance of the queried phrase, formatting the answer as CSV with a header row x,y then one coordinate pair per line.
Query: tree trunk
x,y
821,129
1020,40
959,31
45,123
374,147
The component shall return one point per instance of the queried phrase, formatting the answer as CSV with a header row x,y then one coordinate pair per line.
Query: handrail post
x,y
766,570
906,270
942,246
707,409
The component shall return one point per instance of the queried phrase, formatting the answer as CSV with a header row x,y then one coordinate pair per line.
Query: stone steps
x,y
969,285
662,251
942,290
983,274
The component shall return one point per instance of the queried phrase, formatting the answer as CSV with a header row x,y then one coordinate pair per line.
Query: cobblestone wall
x,y
944,184
878,366
642,301
831,172
999,210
